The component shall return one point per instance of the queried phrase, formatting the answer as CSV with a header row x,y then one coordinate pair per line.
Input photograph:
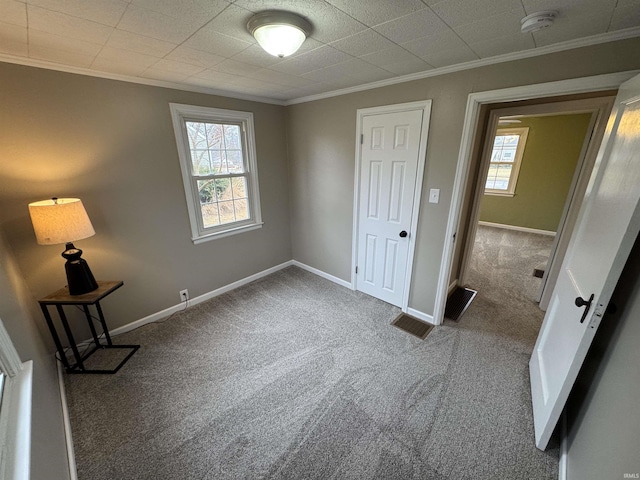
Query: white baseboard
x,y
421,315
517,228
71,456
196,300
322,274
452,287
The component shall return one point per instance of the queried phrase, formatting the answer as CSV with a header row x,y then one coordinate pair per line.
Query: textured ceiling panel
x,y
205,43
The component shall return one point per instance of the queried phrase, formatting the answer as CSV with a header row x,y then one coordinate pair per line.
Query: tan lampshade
x,y
60,220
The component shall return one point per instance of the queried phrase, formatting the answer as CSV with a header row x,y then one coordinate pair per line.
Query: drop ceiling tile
x,y
51,54
373,12
67,26
255,55
502,25
117,55
176,67
318,58
42,40
577,26
452,56
139,43
164,75
388,56
461,12
329,23
120,68
215,76
106,12
280,78
194,57
570,7
373,76
354,67
418,24
157,25
205,9
236,68
625,17
233,22
627,3
13,40
14,13
447,40
502,45
208,40
408,66
367,41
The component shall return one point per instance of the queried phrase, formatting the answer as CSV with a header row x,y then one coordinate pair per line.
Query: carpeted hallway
x,y
295,377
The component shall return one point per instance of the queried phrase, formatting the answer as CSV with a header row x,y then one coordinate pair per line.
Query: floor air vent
x,y
458,302
412,325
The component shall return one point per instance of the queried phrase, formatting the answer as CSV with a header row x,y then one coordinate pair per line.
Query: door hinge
x,y
356,270
362,139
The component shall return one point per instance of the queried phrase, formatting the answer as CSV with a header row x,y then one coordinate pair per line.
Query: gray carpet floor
x,y
294,377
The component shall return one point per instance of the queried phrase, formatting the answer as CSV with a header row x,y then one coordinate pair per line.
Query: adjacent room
x,y
205,239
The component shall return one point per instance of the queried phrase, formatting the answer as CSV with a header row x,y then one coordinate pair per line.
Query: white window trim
x,y
179,114
522,132
15,412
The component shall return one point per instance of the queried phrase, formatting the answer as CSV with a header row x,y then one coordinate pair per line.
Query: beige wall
x,y
17,312
604,412
112,144
322,154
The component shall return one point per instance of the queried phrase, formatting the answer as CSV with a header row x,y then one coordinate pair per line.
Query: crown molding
x,y
29,62
509,57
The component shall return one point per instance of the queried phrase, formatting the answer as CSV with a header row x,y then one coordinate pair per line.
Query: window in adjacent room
x,y
218,161
506,156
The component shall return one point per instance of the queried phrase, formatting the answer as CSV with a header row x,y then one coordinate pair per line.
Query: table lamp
x,y
64,220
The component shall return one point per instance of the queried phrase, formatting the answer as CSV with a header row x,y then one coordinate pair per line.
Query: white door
x,y
607,226
388,167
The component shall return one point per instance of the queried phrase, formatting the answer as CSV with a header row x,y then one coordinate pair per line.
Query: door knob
x,y
581,302
403,233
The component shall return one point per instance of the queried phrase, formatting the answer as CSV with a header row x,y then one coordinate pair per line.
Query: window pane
x,y
214,136
210,215
508,155
502,177
498,141
235,161
197,135
227,214
223,192
201,162
239,187
232,137
241,209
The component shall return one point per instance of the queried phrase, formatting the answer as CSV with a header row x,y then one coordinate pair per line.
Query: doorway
x,y
390,157
526,190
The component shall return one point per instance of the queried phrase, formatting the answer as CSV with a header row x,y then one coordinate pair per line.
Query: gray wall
x,y
604,408
322,154
112,144
48,450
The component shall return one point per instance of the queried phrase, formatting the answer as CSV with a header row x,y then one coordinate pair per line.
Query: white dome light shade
x,y
279,33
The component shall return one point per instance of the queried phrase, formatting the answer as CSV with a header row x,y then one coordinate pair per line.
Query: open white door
x,y
606,229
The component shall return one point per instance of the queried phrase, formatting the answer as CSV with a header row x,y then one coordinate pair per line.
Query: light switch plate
x,y
434,195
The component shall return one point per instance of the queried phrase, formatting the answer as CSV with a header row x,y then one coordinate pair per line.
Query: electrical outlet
x,y
184,295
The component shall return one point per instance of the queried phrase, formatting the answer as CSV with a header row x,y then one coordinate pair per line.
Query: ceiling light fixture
x,y
279,33
537,21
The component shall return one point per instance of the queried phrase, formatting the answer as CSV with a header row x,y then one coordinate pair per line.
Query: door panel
x,y
388,169
607,226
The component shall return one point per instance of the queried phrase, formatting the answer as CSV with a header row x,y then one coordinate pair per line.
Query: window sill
x,y
16,439
226,233
500,194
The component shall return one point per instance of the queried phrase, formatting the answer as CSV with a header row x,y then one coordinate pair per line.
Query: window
x,y
218,162
506,156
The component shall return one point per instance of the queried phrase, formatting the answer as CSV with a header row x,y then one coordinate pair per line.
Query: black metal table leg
x,y
87,314
72,342
104,324
54,334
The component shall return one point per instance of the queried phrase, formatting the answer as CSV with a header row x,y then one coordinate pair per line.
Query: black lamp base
x,y
79,277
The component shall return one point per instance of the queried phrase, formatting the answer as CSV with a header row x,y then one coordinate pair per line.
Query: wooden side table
x,y
62,297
